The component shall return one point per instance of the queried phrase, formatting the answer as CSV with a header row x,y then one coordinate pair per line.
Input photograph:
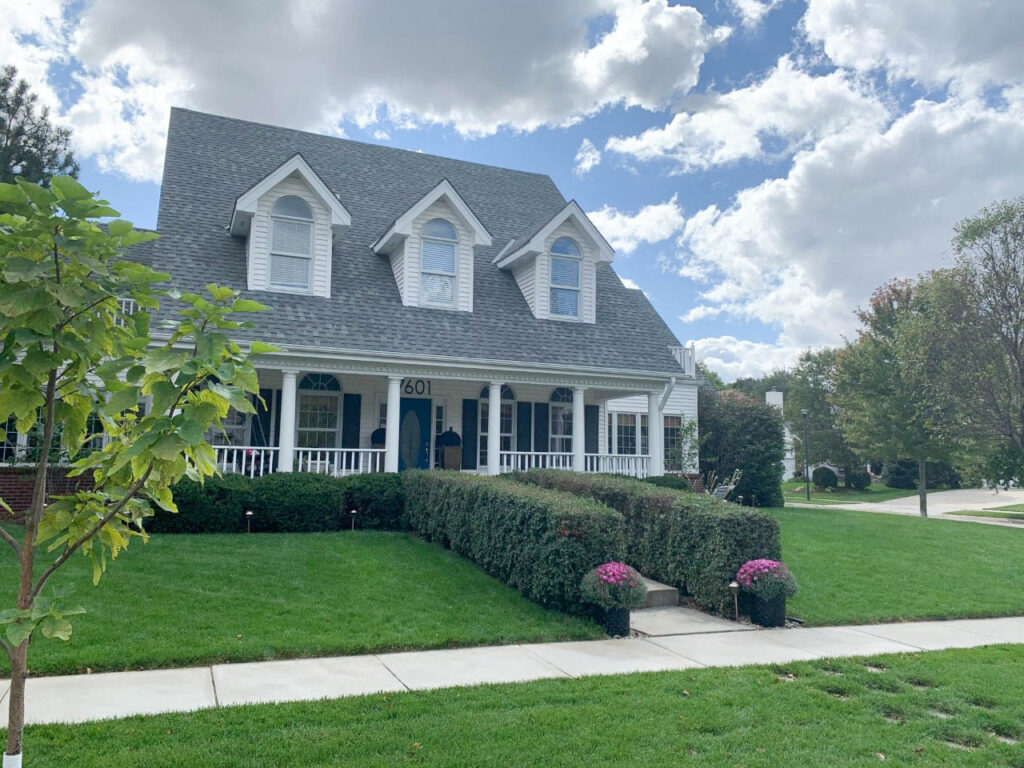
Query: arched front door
x,y
414,434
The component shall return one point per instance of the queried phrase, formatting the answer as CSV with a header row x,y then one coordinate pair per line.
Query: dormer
x,y
556,266
430,249
289,220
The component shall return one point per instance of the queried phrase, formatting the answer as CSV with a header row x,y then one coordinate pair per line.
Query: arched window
x,y
437,263
560,435
566,261
319,416
508,420
291,244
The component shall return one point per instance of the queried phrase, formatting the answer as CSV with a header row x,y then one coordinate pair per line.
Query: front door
x,y
414,434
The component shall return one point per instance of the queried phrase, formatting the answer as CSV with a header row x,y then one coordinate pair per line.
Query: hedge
x,y
285,502
675,482
535,540
688,540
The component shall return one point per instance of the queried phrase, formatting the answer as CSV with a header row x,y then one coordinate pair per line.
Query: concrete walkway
x,y
940,503
81,698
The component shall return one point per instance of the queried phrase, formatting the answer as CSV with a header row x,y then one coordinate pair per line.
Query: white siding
x,y
397,260
463,260
588,275
259,237
525,274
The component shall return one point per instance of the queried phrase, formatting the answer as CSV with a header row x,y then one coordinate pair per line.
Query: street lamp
x,y
807,466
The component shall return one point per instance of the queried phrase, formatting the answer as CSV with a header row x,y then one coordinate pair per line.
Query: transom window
x,y
291,244
565,278
319,416
560,437
437,263
507,420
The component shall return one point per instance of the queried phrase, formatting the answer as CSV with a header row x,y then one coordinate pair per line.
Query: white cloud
x,y
381,135
31,40
966,41
629,283
733,358
313,65
587,157
752,11
651,224
788,105
700,312
800,252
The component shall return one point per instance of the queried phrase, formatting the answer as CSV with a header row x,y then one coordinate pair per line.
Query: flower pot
x,y
615,621
768,613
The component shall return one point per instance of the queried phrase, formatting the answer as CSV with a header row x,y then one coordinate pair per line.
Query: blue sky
x,y
759,165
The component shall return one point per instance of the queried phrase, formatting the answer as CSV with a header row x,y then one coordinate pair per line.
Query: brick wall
x,y
16,485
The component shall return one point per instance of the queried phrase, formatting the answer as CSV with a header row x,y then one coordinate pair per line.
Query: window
x,y
626,433
560,437
565,278
438,431
319,413
643,435
674,443
9,445
291,244
507,421
437,263
235,430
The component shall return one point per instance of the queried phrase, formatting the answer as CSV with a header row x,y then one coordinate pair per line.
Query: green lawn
x,y
989,513
794,490
859,567
949,708
1010,508
184,600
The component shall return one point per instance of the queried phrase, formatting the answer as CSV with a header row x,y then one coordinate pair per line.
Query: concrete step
x,y
659,595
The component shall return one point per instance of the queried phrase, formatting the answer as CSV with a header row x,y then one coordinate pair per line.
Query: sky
x,y
760,166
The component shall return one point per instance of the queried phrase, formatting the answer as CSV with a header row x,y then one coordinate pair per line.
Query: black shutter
x,y
259,428
524,427
469,446
591,419
277,414
351,408
541,422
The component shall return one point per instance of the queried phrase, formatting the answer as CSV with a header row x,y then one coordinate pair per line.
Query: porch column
x,y
392,426
614,428
655,441
494,428
579,438
286,440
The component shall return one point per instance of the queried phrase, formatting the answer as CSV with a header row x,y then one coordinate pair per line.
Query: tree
x,y
757,388
737,432
30,146
711,379
888,391
73,355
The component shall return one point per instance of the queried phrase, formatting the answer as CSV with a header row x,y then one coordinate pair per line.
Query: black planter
x,y
768,613
615,621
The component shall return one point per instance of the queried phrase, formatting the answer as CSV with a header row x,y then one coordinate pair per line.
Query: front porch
x,y
334,420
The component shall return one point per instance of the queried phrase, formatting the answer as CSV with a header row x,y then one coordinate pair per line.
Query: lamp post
x,y
807,466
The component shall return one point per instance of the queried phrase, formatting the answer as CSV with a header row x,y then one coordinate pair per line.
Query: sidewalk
x,y
80,698
940,504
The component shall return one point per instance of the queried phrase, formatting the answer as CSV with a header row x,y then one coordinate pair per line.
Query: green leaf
x,y
164,359
18,633
121,400
261,348
54,627
69,189
12,193
247,305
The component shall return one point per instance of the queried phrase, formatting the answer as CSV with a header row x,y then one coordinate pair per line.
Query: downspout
x,y
667,393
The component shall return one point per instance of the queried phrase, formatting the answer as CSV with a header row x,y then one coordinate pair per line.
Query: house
x,y
412,295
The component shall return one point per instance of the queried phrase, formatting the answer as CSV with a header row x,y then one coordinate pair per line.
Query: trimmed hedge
x,y
823,477
675,482
688,540
285,502
535,540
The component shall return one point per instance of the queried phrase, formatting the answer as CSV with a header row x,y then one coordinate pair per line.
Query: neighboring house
x,y
411,294
776,399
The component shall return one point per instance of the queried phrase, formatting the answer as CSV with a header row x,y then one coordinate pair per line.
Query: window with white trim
x,y
507,421
319,413
291,244
626,433
439,242
566,263
560,437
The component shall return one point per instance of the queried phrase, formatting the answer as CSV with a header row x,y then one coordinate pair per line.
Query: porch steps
x,y
659,595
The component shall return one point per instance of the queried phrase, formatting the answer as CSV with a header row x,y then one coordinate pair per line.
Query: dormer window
x,y
565,278
437,264
291,244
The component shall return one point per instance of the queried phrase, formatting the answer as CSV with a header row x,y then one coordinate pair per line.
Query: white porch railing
x,y
248,460
339,461
520,461
618,464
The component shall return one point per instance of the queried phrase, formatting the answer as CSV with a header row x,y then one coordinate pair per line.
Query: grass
x,y
1010,508
794,490
186,600
948,708
860,567
988,513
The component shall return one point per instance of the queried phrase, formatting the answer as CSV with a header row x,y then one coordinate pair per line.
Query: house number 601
x,y
416,386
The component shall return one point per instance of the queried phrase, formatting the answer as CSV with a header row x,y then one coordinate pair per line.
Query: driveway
x,y
940,503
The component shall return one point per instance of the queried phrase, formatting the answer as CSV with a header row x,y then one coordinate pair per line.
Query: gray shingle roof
x,y
211,160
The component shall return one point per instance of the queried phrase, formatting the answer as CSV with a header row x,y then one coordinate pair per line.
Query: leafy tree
x,y
887,384
711,379
757,388
737,432
74,356
30,146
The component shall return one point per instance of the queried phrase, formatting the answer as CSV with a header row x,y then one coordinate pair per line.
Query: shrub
x,y
675,482
823,477
535,540
688,540
737,432
858,479
902,473
215,506
298,502
766,579
613,585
